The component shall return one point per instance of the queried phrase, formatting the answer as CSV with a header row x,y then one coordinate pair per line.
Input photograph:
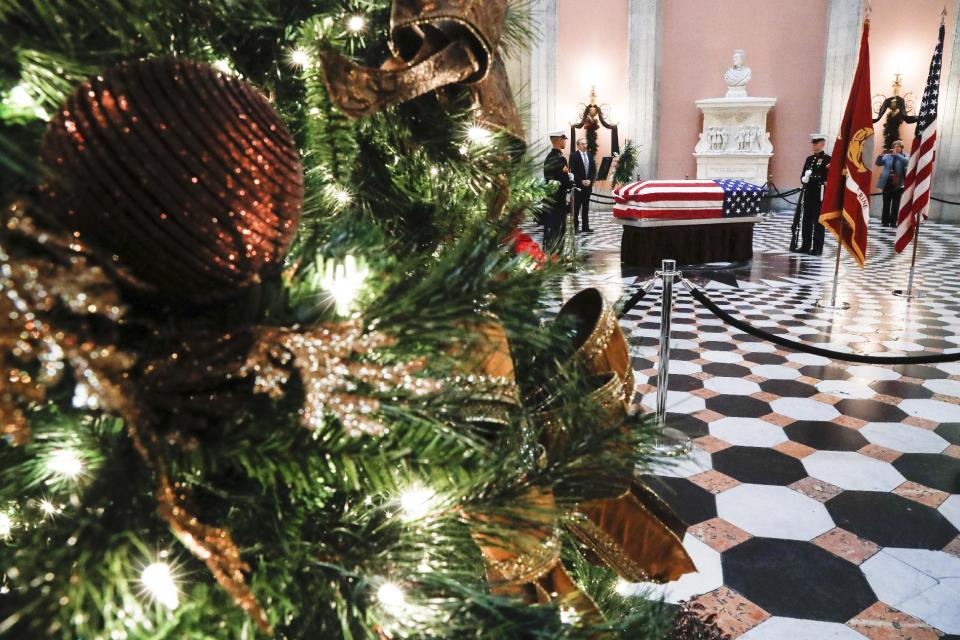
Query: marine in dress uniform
x,y
556,170
813,178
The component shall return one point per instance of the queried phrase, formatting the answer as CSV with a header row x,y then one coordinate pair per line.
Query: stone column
x,y
643,36
946,173
542,71
844,18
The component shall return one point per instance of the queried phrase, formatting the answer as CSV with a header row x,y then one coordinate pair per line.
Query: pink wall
x,y
592,51
902,37
784,44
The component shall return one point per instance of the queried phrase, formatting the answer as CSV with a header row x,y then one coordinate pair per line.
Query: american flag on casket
x,y
687,199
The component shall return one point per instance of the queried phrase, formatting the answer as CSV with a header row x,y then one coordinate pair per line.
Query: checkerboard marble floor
x,y
822,498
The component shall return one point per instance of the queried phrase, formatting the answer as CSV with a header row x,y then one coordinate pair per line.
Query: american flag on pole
x,y
916,186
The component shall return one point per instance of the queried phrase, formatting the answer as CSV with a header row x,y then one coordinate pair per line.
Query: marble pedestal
x,y
734,142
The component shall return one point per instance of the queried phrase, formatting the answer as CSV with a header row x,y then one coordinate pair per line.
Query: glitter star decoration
x,y
336,383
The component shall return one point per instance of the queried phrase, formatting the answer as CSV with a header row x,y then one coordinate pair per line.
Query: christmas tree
x,y
270,365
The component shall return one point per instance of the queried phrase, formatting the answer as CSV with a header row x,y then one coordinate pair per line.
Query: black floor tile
x,y
693,427
825,436
797,580
870,410
726,370
765,358
758,465
825,373
901,389
931,469
891,520
692,503
714,345
949,431
789,388
739,406
920,371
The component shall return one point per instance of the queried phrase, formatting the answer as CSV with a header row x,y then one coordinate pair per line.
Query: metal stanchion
x,y
569,235
668,271
672,441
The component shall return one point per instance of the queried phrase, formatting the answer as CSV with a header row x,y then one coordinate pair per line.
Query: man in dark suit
x,y
584,173
557,172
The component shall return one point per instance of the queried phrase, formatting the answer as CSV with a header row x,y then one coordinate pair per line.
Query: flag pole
x,y
910,293
836,267
913,260
821,303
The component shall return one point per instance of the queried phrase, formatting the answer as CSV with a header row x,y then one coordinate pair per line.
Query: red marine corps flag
x,y
846,199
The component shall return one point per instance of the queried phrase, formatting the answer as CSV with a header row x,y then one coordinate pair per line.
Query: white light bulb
x,y
300,57
416,502
569,615
478,134
66,463
6,525
392,597
343,281
342,196
159,583
19,96
356,24
48,508
434,171
223,65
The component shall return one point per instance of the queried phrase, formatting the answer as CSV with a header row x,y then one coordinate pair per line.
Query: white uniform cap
x,y
557,133
817,136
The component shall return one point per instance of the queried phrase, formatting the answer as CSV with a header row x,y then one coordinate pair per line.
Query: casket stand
x,y
646,242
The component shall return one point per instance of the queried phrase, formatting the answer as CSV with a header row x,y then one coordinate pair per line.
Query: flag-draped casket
x,y
691,221
687,199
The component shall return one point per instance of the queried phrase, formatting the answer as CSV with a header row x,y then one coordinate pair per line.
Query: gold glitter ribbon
x,y
70,288
213,545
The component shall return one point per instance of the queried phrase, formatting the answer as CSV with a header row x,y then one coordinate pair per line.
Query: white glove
x,y
806,176
585,183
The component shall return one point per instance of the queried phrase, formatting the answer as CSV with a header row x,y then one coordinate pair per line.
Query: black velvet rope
x,y
635,299
944,201
711,306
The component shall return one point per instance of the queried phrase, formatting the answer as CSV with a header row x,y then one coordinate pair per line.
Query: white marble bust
x,y
737,76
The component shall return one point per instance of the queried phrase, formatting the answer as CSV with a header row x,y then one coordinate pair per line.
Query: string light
x,y
416,502
65,463
159,583
434,172
47,508
6,525
21,98
341,195
356,24
223,65
569,615
300,57
84,398
478,135
392,597
343,282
